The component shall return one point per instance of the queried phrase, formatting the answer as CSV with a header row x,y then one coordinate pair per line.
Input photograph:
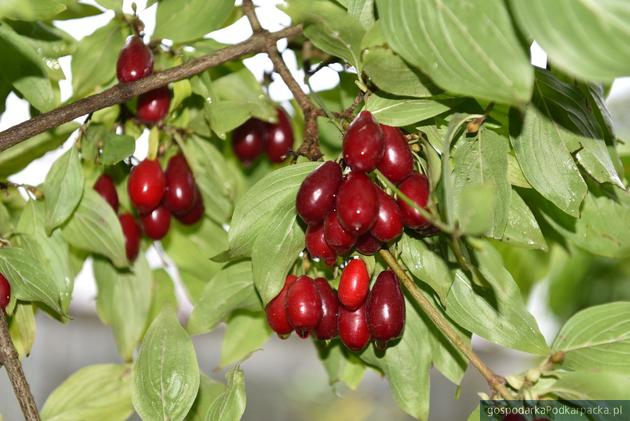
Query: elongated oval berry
x,y
132,233
153,105
327,328
304,306
135,61
106,188
415,187
316,196
248,140
357,204
156,223
363,143
353,328
317,246
389,223
5,293
146,185
276,310
195,214
279,137
397,161
386,308
367,244
181,190
340,240
354,284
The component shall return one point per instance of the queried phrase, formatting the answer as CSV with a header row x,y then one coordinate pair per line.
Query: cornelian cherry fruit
x,y
363,143
156,223
354,284
132,232
5,292
248,140
181,190
153,105
316,196
304,306
146,185
353,328
389,222
135,61
397,161
276,310
340,240
367,244
415,187
105,187
279,137
327,328
386,308
317,246
357,204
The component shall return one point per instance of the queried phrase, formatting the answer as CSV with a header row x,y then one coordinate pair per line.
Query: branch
x,y
120,93
11,361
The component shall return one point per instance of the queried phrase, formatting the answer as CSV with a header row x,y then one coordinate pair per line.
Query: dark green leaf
x,y
116,148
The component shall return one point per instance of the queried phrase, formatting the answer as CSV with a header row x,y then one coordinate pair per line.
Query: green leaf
x,y
363,10
475,212
116,148
522,228
166,375
115,5
22,328
589,385
230,405
30,10
63,188
98,393
425,265
201,17
245,333
209,390
163,294
403,111
340,364
78,10
463,48
48,40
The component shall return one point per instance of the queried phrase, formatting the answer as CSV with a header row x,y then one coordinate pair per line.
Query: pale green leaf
x,y
22,328
589,385
30,10
245,333
522,228
230,405
63,188
209,390
403,111
201,17
425,265
116,148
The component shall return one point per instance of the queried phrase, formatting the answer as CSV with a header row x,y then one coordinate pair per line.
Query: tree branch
x,y
120,93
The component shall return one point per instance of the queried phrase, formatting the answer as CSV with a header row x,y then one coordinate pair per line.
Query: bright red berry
x,y
397,161
367,244
316,196
389,223
195,214
106,188
304,306
279,137
317,246
135,61
153,105
357,204
132,233
327,328
276,310
5,292
156,223
363,143
146,185
386,308
248,140
415,187
353,328
354,284
340,240
181,190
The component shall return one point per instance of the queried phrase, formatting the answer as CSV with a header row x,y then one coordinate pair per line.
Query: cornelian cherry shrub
x,y
387,220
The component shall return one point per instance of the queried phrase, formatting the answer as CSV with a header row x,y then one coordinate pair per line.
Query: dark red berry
x,y
514,417
276,310
354,284
415,187
316,196
5,292
363,143
135,61
386,308
132,233
195,214
367,244
353,328
389,223
106,188
317,246
279,137
304,306
181,190
153,105
156,223
146,185
357,204
248,140
340,240
327,328
397,161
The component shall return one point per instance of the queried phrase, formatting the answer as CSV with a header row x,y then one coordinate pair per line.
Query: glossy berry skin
x,y
248,140
106,188
386,308
397,161
276,310
195,214
181,190
363,143
327,328
367,244
132,233
357,204
354,284
340,240
316,196
317,246
279,137
353,328
156,223
304,306
135,61
415,187
5,293
389,222
146,185
153,105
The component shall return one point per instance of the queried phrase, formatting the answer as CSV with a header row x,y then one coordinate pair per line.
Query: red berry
x,y
397,161
357,204
367,244
327,328
353,328
181,190
248,140
5,292
279,137
276,310
132,233
146,185
340,240
195,214
415,187
354,284
106,188
135,61
386,308
304,306
317,246
363,143
156,223
389,223
153,105
316,196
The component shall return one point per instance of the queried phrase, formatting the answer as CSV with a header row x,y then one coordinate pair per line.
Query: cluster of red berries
x,y
351,212
156,195
354,313
5,292
254,137
135,62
